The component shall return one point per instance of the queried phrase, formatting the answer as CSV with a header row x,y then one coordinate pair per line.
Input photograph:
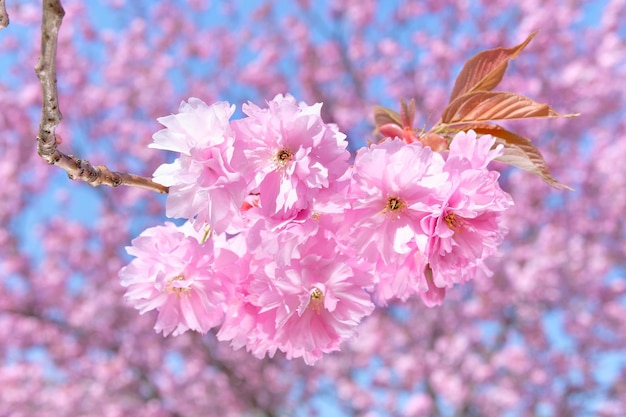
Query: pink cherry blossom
x,y
478,151
434,295
202,184
466,226
174,274
392,189
290,154
401,279
308,307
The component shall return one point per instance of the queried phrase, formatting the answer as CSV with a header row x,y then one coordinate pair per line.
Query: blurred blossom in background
x,y
544,336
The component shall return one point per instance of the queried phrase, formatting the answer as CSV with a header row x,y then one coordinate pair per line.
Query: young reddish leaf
x,y
519,152
484,71
407,113
383,115
482,106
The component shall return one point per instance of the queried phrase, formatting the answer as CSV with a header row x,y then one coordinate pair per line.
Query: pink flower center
x,y
172,288
316,300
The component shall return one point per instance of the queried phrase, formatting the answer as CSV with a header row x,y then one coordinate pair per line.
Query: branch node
x,y
116,180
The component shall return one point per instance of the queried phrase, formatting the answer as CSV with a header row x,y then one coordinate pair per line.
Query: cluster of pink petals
x,y
291,155
287,247
203,184
178,276
424,221
305,307
465,226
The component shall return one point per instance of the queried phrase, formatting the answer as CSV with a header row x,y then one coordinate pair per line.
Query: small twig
x,y
4,16
77,169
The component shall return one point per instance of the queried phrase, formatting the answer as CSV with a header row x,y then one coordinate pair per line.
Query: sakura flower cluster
x,y
287,246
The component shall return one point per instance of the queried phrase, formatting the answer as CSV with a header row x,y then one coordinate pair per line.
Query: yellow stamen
x,y
179,291
282,157
454,223
208,233
394,204
316,300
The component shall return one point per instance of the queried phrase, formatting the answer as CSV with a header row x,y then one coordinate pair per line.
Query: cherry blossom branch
x,y
77,169
4,16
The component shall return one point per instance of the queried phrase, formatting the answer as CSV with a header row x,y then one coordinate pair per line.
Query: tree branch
x,y
77,169
4,16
